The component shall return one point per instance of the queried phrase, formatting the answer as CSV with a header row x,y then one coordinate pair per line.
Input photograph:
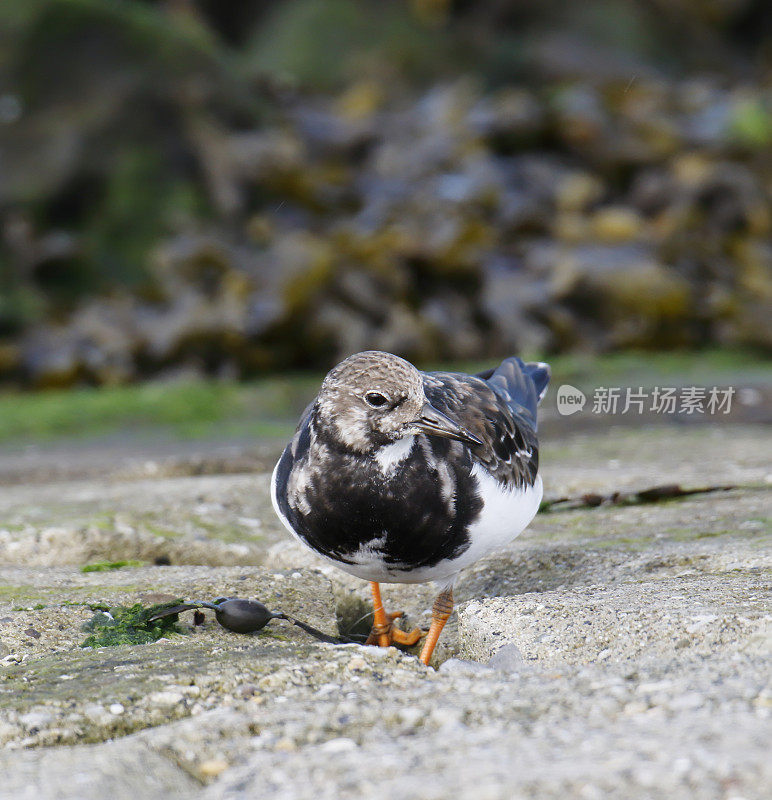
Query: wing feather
x,y
510,452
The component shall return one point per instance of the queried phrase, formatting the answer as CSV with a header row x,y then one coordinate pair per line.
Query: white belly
x,y
505,515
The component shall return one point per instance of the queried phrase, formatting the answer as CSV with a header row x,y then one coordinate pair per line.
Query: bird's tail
x,y
540,373
522,385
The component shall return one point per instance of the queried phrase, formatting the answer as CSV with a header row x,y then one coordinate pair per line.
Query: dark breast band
x,y
405,517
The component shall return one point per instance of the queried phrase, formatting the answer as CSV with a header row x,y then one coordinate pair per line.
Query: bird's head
x,y
372,399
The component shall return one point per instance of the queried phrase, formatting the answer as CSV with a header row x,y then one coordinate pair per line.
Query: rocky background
x,y
234,188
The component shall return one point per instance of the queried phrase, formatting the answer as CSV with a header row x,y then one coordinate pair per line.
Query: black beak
x,y
436,423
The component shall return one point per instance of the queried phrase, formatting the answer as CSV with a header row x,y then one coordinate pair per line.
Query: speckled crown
x,y
374,369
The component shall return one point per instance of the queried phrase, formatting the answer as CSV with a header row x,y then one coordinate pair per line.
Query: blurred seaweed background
x,y
235,188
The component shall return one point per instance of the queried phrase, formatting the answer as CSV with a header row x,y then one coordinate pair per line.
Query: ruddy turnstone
x,y
401,476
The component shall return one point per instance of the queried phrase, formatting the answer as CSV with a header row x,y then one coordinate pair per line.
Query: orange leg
x,y
384,632
441,611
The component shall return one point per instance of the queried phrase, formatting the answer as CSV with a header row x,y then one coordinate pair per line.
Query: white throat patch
x,y
390,455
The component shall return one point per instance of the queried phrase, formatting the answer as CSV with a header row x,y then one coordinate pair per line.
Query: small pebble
x,y
96,713
34,720
410,715
507,659
165,698
339,745
460,666
285,745
213,767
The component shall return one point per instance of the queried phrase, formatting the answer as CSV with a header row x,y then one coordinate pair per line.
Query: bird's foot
x,y
387,633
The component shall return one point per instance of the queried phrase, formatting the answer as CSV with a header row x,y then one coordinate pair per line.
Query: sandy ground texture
x,y
611,651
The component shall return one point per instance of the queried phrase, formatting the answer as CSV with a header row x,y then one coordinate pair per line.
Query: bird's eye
x,y
375,399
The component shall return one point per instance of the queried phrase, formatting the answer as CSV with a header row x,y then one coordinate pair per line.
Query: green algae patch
x,y
129,625
106,566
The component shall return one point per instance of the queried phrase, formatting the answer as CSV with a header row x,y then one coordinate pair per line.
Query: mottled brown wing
x,y
510,452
